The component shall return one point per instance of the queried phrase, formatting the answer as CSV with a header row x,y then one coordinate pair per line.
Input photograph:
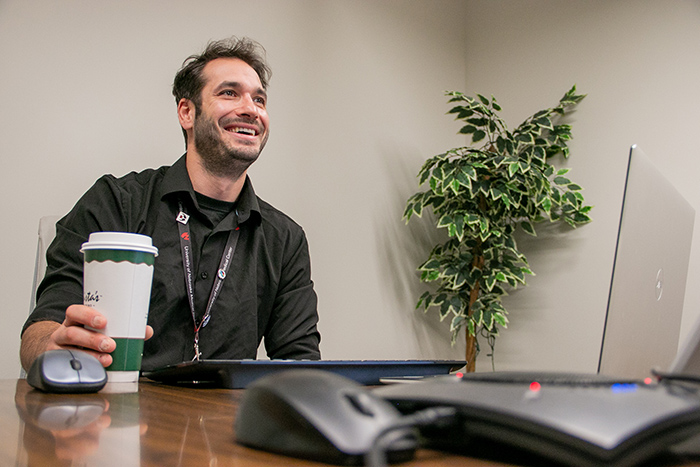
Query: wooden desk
x,y
157,426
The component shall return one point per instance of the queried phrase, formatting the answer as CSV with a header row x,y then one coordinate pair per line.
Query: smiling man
x,y
267,293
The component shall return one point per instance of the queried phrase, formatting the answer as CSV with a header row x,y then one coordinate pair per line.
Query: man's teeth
x,y
245,131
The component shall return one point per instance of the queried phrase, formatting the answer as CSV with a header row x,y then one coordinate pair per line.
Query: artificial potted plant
x,y
481,194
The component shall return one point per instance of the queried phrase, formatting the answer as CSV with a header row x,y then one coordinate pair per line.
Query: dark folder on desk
x,y
238,374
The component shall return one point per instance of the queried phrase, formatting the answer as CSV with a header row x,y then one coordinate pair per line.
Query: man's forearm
x,y
35,341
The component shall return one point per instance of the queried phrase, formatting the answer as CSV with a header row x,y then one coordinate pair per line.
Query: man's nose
x,y
248,107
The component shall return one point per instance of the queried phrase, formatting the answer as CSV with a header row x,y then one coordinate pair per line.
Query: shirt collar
x,y
176,181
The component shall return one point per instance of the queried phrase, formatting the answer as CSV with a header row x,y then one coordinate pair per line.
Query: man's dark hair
x,y
189,82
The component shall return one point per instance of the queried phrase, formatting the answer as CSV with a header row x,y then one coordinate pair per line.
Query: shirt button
x,y
204,275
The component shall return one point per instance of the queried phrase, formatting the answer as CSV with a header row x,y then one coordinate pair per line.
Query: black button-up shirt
x,y
268,291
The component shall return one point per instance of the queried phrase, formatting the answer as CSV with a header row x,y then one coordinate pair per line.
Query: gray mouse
x,y
67,371
319,415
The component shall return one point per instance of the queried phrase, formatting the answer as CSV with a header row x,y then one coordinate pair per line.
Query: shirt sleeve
x,y
292,331
98,209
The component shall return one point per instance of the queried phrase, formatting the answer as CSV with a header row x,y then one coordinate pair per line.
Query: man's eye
x,y
228,92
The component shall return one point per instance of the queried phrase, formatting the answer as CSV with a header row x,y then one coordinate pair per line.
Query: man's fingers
x,y
94,343
77,336
82,315
73,333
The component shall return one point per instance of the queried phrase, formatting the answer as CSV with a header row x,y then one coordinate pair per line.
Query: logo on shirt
x,y
182,218
185,236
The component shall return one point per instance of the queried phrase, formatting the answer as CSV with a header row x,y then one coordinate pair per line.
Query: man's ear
x,y
186,113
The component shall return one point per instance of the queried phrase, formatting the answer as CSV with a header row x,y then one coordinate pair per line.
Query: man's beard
x,y
217,157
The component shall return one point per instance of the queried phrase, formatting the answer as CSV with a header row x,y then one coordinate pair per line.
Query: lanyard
x,y
186,247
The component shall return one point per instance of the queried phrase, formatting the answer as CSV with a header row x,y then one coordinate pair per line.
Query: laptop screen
x,y
647,289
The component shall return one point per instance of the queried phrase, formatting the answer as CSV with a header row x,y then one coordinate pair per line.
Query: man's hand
x,y
72,333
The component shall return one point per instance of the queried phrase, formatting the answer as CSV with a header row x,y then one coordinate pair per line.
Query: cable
x,y
376,456
675,377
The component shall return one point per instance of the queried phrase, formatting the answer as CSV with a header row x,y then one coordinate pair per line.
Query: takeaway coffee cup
x,y
117,282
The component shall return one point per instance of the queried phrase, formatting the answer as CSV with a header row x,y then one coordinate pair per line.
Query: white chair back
x,y
47,232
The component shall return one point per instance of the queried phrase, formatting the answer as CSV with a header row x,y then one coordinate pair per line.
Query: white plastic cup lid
x,y
119,241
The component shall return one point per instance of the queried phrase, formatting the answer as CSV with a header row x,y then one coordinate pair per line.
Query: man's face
x,y
231,125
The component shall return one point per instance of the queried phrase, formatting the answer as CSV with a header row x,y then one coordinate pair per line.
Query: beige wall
x,y
356,106
639,63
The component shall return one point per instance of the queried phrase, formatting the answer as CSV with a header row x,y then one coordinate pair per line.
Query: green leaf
x,y
408,213
483,224
423,177
452,230
507,200
439,299
478,136
456,305
463,179
457,323
478,122
465,114
459,227
556,196
571,198
470,172
430,276
418,209
547,204
454,184
513,169
444,309
445,220
489,282
501,144
431,264
467,129
495,193
434,184
478,317
528,228
539,153
501,319
543,122
581,218
470,328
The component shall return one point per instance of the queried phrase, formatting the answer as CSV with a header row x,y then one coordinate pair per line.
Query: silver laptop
x,y
647,289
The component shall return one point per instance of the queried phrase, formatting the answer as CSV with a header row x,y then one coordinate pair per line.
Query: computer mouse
x,y
322,416
67,371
